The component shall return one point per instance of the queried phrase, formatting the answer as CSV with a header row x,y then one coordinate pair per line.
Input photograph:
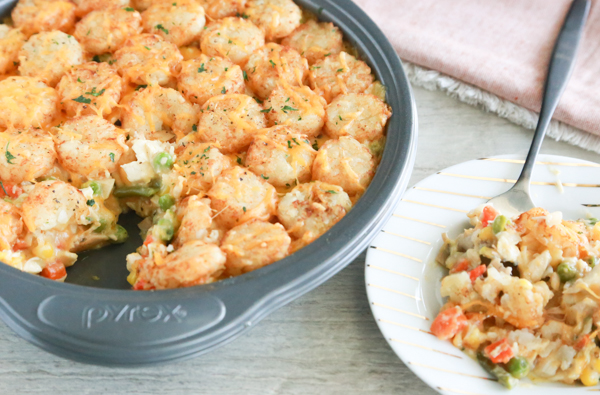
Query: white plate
x,y
403,281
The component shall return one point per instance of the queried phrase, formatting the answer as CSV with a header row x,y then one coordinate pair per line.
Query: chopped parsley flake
x,y
112,157
83,100
331,191
2,185
129,9
340,117
161,27
264,177
285,109
267,110
223,91
340,70
94,93
147,48
79,80
141,87
272,63
289,144
201,69
295,141
244,208
195,128
9,156
245,75
96,59
239,160
91,202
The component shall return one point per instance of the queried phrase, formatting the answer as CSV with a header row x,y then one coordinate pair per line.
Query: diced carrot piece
x,y
461,266
149,240
499,352
478,271
10,190
488,215
448,323
581,343
54,271
139,285
20,244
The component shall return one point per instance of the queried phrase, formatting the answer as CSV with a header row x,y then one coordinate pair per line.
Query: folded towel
x,y
501,46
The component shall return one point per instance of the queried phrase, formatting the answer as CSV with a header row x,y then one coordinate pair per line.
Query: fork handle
x,y
559,71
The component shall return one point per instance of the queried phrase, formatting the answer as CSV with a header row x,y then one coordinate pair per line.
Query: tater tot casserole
x,y
240,131
522,296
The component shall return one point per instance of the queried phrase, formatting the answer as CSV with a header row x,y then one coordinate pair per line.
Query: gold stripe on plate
x,y
520,161
507,180
591,205
453,193
451,371
405,326
435,206
397,253
457,391
419,220
393,272
405,237
400,311
394,291
425,348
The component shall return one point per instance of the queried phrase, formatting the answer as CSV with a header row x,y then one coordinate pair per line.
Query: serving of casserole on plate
x,y
471,299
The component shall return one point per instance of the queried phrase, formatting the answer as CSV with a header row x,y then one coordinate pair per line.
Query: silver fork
x,y
517,199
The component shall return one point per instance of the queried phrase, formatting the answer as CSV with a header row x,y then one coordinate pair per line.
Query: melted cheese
x,y
25,102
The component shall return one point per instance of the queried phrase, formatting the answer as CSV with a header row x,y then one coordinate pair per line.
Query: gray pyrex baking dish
x,y
95,318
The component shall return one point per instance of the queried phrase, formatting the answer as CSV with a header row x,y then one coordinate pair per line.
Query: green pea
x,y
518,367
121,235
566,272
163,161
165,229
165,202
95,187
592,261
376,148
499,224
132,191
102,226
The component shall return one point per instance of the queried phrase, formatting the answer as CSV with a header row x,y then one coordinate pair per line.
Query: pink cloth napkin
x,y
502,46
